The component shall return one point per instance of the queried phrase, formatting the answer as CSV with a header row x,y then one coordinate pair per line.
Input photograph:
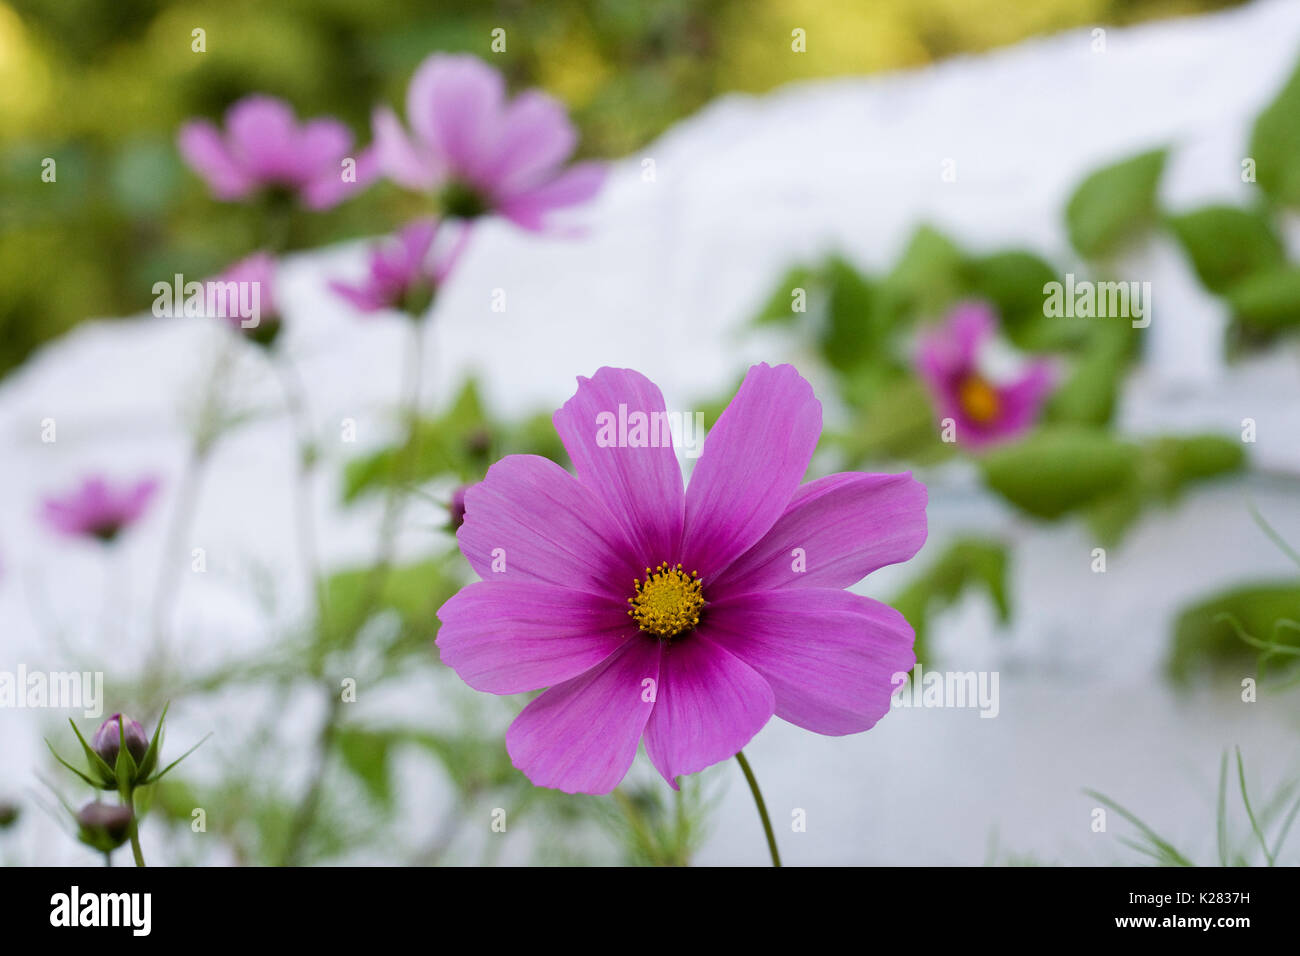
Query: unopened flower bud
x,y
456,508
104,825
106,742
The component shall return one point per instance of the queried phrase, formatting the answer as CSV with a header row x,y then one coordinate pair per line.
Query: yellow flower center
x,y
979,399
668,602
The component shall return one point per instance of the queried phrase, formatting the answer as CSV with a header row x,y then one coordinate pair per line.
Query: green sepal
x,y
167,769
70,766
125,770
150,759
107,775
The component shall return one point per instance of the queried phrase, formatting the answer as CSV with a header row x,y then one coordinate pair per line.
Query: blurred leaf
x,y
1166,466
1060,469
1114,204
1171,463
1267,302
1088,396
1013,282
414,592
474,762
968,563
1227,244
928,276
460,444
779,308
366,754
852,328
1205,635
894,421
1275,145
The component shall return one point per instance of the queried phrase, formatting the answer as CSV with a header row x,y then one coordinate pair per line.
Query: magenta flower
x,y
244,296
99,509
684,617
984,412
404,271
265,148
479,153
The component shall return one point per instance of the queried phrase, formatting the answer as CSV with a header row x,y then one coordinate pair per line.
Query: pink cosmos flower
x,y
264,147
984,412
404,271
244,296
98,509
684,617
481,153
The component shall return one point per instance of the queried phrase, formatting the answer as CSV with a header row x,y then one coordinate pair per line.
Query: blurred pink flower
x,y
404,271
249,305
99,509
671,615
264,147
481,153
984,412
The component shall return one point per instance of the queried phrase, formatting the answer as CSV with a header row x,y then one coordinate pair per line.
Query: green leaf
x,y
928,276
1205,635
1013,281
1275,145
1227,244
1267,302
366,753
852,330
779,307
1171,463
1114,204
1059,470
1088,396
894,421
968,562
414,592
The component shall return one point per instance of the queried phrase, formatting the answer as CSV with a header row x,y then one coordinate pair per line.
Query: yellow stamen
x,y
668,602
979,399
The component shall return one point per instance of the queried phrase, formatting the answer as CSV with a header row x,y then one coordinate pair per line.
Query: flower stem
x,y
762,807
296,405
372,592
128,798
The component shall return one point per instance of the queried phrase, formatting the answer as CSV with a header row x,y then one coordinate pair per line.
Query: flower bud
x,y
103,825
106,742
456,508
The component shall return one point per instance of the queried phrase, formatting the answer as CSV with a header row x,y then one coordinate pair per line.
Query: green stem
x,y
296,405
762,807
372,591
128,799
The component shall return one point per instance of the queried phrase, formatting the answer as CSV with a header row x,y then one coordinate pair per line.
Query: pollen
x,y
668,602
979,399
